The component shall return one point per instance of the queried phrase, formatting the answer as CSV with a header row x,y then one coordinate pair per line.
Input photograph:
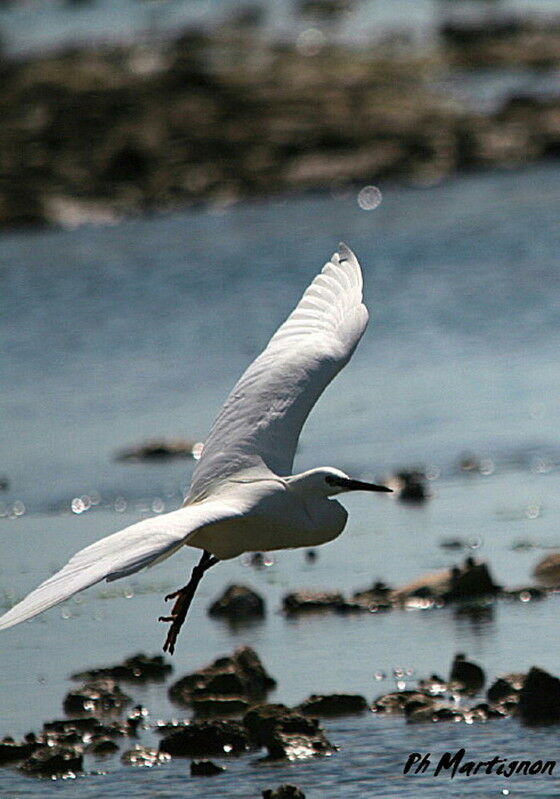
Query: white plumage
x,y
242,497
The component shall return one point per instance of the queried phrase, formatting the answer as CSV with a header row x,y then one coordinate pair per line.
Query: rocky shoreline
x,y
92,135
95,727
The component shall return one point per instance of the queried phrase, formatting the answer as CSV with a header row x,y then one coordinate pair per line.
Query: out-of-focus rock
x,y
263,720
287,734
501,42
506,687
470,581
201,738
101,695
101,747
238,602
411,485
269,118
332,705
73,730
312,601
144,756
539,698
158,450
285,791
217,705
240,676
137,668
547,571
396,701
324,9
468,677
53,761
433,685
378,597
205,768
12,751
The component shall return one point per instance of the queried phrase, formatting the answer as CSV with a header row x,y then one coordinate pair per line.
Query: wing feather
x,y
118,555
260,422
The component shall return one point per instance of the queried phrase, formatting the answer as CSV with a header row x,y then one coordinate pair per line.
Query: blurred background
x,y
119,107
172,175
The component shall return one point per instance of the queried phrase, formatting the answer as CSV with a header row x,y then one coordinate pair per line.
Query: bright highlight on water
x,y
243,497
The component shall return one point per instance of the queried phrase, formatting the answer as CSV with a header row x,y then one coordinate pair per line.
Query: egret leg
x,y
183,598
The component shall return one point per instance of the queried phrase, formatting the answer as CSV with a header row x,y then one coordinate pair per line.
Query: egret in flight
x,y
243,497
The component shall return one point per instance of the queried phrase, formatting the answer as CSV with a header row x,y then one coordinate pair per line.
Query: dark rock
x,y
138,668
135,719
144,756
101,746
469,676
505,687
453,543
87,724
429,586
238,602
11,751
53,761
419,709
205,768
326,10
294,746
286,733
412,485
333,705
502,42
304,601
146,152
493,711
218,706
241,675
447,713
539,698
547,571
285,791
433,685
378,597
201,738
167,727
100,695
157,449
263,720
472,580
396,701
78,729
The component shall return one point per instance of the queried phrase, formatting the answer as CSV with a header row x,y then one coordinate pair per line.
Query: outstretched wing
x,y
142,544
260,423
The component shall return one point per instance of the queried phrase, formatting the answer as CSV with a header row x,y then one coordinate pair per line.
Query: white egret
x,y
243,497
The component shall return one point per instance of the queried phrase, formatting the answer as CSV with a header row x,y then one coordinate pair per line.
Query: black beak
x,y
359,485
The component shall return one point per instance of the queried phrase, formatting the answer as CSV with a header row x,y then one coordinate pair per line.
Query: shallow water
x,y
117,334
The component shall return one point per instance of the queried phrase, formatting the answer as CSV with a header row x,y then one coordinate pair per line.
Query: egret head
x,y
327,481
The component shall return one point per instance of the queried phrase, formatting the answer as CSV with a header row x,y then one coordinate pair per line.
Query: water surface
x,y
117,334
